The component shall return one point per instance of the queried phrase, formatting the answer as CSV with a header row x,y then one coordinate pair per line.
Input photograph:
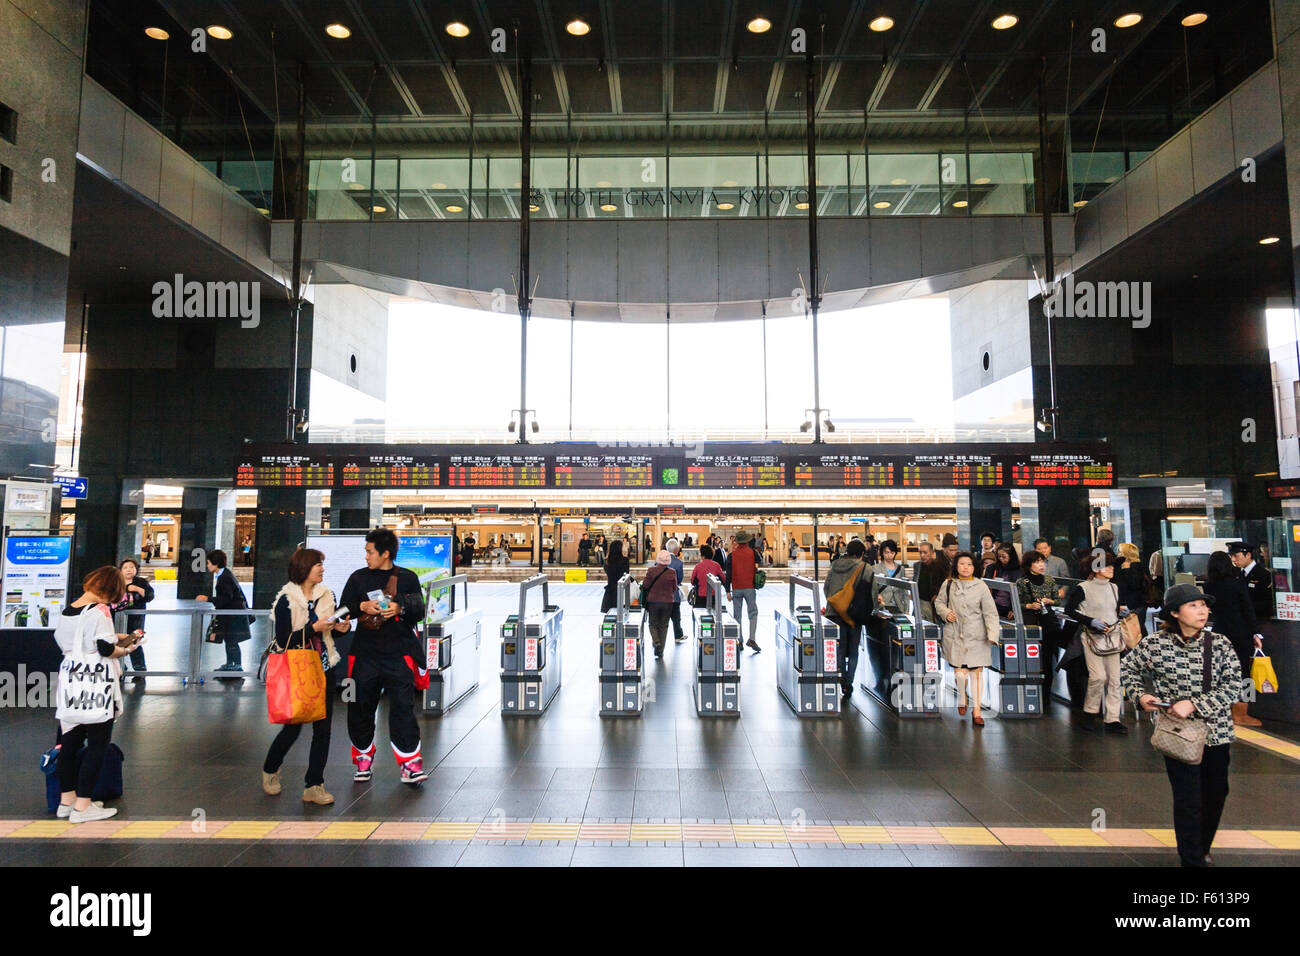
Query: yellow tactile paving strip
x,y
568,831
1277,745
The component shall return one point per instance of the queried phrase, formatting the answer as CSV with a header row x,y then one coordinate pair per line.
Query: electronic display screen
x,y
288,470
388,471
735,471
604,471
1062,471
496,471
843,471
953,471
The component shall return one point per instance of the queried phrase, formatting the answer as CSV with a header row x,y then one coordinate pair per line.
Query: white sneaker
x,y
65,809
91,814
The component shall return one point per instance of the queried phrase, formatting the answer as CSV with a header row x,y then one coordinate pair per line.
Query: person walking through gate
x,y
843,569
674,553
616,566
658,589
386,657
971,627
741,565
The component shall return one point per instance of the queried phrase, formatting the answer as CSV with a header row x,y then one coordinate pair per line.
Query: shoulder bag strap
x,y
1207,652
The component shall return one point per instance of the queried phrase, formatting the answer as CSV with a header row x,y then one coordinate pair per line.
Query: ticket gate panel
x,y
904,669
622,664
807,663
717,665
531,661
456,637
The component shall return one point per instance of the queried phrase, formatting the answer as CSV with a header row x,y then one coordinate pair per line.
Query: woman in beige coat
x,y
972,626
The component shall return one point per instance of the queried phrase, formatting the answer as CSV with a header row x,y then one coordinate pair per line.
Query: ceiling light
x,y
338,31
455,209
577,28
608,207
758,25
1080,203
219,33
1268,240
1006,21
1195,19
533,207
603,184
898,182
801,205
379,209
726,205
881,24
438,186
264,211
729,183
156,33
983,181
1112,179
1128,20
457,29
960,204
355,186
883,204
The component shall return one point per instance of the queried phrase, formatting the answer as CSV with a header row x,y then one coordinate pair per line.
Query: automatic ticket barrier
x,y
622,656
457,636
717,658
807,655
903,662
530,654
1012,686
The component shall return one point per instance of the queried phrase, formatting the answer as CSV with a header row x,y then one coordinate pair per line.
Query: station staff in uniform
x,y
1258,580
385,657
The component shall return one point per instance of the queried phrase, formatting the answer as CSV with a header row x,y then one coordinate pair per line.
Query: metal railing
x,y
193,638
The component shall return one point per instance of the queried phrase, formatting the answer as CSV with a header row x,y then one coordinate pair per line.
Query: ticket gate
x,y
456,636
717,658
622,656
1016,676
807,655
903,664
530,654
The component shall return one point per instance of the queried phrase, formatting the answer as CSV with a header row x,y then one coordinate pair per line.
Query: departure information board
x,y
735,471
953,471
388,471
1062,471
288,470
497,471
604,471
843,471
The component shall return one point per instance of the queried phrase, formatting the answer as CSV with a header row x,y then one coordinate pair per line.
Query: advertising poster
x,y
429,556
35,581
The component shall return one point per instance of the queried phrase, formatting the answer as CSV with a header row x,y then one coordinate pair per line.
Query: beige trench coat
x,y
968,641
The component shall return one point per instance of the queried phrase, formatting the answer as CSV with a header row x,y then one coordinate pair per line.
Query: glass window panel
x,y
548,179
427,185
832,184
617,187
713,186
1093,172
693,353
338,189
385,195
787,177
503,187
953,184
1002,183
903,183
621,401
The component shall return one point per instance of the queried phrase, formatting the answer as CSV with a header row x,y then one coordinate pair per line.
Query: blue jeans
x,y
748,596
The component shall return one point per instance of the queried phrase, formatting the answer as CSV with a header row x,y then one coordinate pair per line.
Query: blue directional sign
x,y
70,486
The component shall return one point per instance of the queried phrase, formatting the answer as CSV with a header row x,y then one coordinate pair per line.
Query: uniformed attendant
x,y
1259,582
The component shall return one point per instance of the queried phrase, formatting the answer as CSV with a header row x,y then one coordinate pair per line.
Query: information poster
x,y
35,581
429,556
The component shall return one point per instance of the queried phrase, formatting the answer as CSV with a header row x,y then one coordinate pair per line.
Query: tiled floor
x,y
668,788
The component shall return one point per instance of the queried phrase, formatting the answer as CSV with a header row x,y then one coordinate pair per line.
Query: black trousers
x,y
320,740
391,675
83,779
677,621
1199,794
850,641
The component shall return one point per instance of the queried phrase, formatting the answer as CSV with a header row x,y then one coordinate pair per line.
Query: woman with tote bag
x,y
89,695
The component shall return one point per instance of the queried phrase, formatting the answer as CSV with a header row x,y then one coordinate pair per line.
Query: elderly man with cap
x,y
1193,672
740,584
1258,581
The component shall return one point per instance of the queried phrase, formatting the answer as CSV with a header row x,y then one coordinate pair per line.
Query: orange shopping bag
x,y
295,687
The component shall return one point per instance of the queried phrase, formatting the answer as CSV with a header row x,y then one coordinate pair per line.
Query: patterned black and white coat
x,y
1172,665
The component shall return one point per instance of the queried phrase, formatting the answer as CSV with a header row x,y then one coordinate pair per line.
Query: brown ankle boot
x,y
1243,719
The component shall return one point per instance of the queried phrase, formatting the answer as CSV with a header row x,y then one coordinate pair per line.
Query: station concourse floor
x,y
669,788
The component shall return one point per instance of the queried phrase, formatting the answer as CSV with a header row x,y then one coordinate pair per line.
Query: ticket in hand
x,y
338,615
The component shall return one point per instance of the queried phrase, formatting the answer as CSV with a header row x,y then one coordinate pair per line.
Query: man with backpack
x,y
850,571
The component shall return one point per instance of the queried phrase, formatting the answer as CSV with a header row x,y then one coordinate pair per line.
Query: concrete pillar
x,y
985,511
1146,508
1029,524
281,526
1064,519
198,537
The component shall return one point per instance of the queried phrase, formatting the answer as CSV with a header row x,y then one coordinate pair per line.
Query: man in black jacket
x,y
1259,582
385,656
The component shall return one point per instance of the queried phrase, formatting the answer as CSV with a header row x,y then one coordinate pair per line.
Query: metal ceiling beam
x,y
891,62
291,7
941,77
502,64
444,62
668,76
832,72
1047,7
611,58
546,17
778,68
724,56
385,60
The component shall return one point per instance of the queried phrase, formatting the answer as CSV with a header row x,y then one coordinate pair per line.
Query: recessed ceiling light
x,y
438,186
729,183
533,207
577,27
960,204
1006,21
455,209
883,204
898,182
156,33
726,205
1080,203
219,33
1195,19
758,25
338,31
608,207
517,185
603,184
1268,240
379,209
355,186
1128,20
983,181
801,205
457,29
264,211
881,24
1112,179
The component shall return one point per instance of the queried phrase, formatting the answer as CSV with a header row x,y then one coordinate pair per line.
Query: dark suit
x,y
1259,583
1233,615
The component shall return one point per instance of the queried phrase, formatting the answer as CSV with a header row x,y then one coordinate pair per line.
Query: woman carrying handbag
x,y
301,613
1196,677
1094,604
971,628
